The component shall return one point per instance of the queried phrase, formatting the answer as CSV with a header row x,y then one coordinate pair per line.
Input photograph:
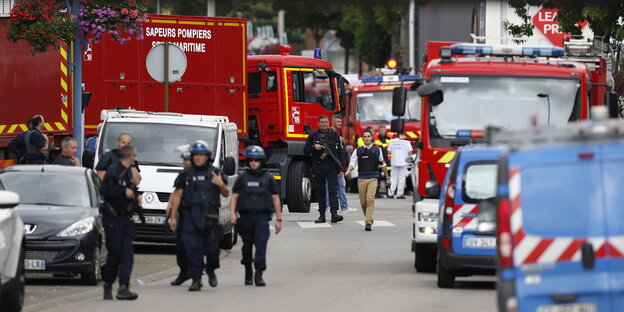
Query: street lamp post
x,y
78,118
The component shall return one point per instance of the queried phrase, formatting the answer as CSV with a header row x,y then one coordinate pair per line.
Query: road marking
x,y
312,225
377,223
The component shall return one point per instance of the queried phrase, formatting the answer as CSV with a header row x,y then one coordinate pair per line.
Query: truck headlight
x,y
428,216
81,227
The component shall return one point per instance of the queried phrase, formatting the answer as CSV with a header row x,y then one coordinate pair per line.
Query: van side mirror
x,y
432,188
612,103
343,92
433,92
229,166
399,96
487,216
8,199
397,125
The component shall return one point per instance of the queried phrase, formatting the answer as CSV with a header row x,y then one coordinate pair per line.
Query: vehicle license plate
x,y
480,242
576,307
149,219
30,264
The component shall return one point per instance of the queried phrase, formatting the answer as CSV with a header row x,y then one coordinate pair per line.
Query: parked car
x,y
470,182
59,206
559,218
12,278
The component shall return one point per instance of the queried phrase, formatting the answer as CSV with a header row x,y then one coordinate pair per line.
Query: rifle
x,y
327,151
135,205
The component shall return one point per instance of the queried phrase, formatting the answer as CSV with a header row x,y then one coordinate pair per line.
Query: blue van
x,y
463,249
560,219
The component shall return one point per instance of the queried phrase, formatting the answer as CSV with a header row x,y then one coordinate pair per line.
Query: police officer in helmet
x,y
255,196
199,187
180,250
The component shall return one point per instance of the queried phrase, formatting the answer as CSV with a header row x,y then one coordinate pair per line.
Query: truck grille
x,y
163,197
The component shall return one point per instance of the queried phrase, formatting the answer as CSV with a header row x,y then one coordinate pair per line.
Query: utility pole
x,y
78,118
211,8
412,35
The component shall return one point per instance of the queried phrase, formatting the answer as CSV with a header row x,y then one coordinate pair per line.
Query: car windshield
x,y
157,143
480,181
376,107
48,188
474,103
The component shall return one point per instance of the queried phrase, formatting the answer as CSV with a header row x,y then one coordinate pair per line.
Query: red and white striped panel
x,y
460,221
530,249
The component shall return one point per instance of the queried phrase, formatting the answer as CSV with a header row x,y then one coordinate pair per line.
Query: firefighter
x,y
199,187
255,197
180,250
325,168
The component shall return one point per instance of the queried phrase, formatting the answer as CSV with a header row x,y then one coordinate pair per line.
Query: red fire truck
x,y
275,100
369,104
500,86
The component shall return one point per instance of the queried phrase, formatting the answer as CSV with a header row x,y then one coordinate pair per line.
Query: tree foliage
x,y
603,16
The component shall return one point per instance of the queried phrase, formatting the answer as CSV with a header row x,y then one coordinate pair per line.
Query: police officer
x,y
199,187
324,168
180,250
118,226
255,196
112,156
37,143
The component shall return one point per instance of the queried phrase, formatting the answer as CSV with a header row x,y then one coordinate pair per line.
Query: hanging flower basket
x,y
46,23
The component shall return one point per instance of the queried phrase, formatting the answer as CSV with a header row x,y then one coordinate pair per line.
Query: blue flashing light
x,y
379,79
468,133
372,79
463,133
251,54
483,49
317,53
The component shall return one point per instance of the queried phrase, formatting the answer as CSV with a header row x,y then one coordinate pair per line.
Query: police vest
x,y
200,193
255,195
368,162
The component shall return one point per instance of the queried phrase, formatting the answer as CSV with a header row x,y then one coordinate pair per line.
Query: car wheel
x,y
446,278
95,274
424,259
299,187
229,239
13,299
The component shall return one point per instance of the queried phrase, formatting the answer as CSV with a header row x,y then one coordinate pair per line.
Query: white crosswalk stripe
x,y
312,225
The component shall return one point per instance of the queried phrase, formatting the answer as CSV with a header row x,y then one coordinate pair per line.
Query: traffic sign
x,y
545,21
155,62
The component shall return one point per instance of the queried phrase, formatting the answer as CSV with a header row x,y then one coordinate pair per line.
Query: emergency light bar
x,y
486,49
469,134
393,78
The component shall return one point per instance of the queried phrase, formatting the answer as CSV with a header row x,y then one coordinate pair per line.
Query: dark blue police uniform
x,y
34,141
255,207
201,230
120,230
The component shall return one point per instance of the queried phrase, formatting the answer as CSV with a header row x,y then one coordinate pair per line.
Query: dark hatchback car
x,y
59,207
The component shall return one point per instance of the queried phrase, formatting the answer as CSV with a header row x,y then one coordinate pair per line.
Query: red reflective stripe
x,y
518,236
613,252
602,251
569,252
515,203
538,251
464,221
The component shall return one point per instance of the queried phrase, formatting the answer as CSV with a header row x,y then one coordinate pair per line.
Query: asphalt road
x,y
338,267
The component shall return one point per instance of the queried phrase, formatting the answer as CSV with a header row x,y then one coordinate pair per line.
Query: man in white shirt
x,y
399,148
368,159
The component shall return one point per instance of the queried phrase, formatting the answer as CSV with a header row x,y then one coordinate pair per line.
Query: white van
x,y
156,137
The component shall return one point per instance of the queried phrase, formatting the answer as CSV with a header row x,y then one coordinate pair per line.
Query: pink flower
x,y
134,13
124,11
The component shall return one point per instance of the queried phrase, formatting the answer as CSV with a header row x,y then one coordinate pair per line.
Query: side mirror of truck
x,y
229,166
487,216
431,90
432,188
399,96
613,105
397,125
8,199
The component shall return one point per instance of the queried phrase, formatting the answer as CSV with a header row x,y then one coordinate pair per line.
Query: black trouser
x,y
180,250
325,172
198,243
254,230
120,232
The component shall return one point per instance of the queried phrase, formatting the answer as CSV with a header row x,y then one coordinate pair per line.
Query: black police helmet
x,y
200,147
255,152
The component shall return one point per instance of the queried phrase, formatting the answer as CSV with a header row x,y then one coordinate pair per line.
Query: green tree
x,y
603,16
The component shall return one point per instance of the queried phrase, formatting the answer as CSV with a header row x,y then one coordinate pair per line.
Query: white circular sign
x,y
155,62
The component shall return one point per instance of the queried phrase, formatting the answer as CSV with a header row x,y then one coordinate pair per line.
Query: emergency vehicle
x,y
369,104
558,226
501,86
275,100
470,182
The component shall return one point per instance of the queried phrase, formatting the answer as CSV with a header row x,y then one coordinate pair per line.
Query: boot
x,y
108,291
212,278
321,219
124,293
248,275
335,218
180,279
258,278
196,285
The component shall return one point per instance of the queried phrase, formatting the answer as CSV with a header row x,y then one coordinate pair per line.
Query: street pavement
x,y
331,267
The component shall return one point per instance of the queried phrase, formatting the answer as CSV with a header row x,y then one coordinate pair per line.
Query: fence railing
x,y
5,7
